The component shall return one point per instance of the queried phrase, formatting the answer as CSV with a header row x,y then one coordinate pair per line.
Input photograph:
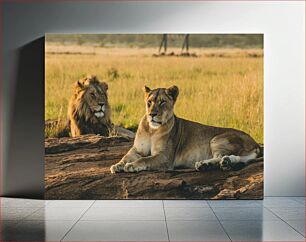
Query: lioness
x,y
165,142
89,111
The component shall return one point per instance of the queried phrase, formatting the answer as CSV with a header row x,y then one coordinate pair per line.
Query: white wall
x,y
283,25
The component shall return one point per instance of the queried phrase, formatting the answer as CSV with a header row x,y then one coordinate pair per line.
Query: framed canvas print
x,y
154,116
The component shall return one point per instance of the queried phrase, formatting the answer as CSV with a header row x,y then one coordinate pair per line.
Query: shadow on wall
x,y
25,155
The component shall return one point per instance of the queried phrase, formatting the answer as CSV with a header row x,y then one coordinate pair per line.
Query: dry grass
x,y
222,87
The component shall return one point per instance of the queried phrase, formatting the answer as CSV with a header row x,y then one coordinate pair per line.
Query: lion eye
x,y
92,94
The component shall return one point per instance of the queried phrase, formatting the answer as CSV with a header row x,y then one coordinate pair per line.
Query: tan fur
x,y
165,142
89,111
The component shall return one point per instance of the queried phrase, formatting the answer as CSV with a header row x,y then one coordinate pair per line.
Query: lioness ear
x,y
173,91
146,90
104,85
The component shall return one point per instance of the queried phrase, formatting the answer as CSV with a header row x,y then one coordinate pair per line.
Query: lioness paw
x,y
116,168
131,167
202,166
225,163
198,165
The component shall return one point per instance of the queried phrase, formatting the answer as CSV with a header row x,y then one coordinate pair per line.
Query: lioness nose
x,y
153,114
101,104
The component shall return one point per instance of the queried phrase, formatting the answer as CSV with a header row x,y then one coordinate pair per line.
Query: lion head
x,y
89,109
160,104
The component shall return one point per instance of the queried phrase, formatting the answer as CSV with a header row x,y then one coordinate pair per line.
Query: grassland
x,y
221,87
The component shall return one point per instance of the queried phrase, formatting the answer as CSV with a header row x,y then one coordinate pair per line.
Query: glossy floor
x,y
273,219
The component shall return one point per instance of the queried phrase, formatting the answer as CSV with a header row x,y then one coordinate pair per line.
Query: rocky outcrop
x,y
78,168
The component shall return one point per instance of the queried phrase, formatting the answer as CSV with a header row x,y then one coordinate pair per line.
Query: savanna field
x,y
220,87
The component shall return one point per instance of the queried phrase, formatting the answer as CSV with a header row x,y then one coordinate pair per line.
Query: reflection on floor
x,y
274,219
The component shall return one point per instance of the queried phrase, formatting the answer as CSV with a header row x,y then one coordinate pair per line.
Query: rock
x,y
78,168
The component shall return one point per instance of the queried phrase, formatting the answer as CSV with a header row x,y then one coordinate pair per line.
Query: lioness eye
x,y
92,94
149,103
162,102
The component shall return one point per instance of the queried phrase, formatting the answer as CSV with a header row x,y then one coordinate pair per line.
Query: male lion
x,y
164,141
89,111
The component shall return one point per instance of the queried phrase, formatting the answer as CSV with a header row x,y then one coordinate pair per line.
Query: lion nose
x,y
101,104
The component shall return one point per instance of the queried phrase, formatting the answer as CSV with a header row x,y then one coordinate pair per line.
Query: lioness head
x,y
160,105
92,96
